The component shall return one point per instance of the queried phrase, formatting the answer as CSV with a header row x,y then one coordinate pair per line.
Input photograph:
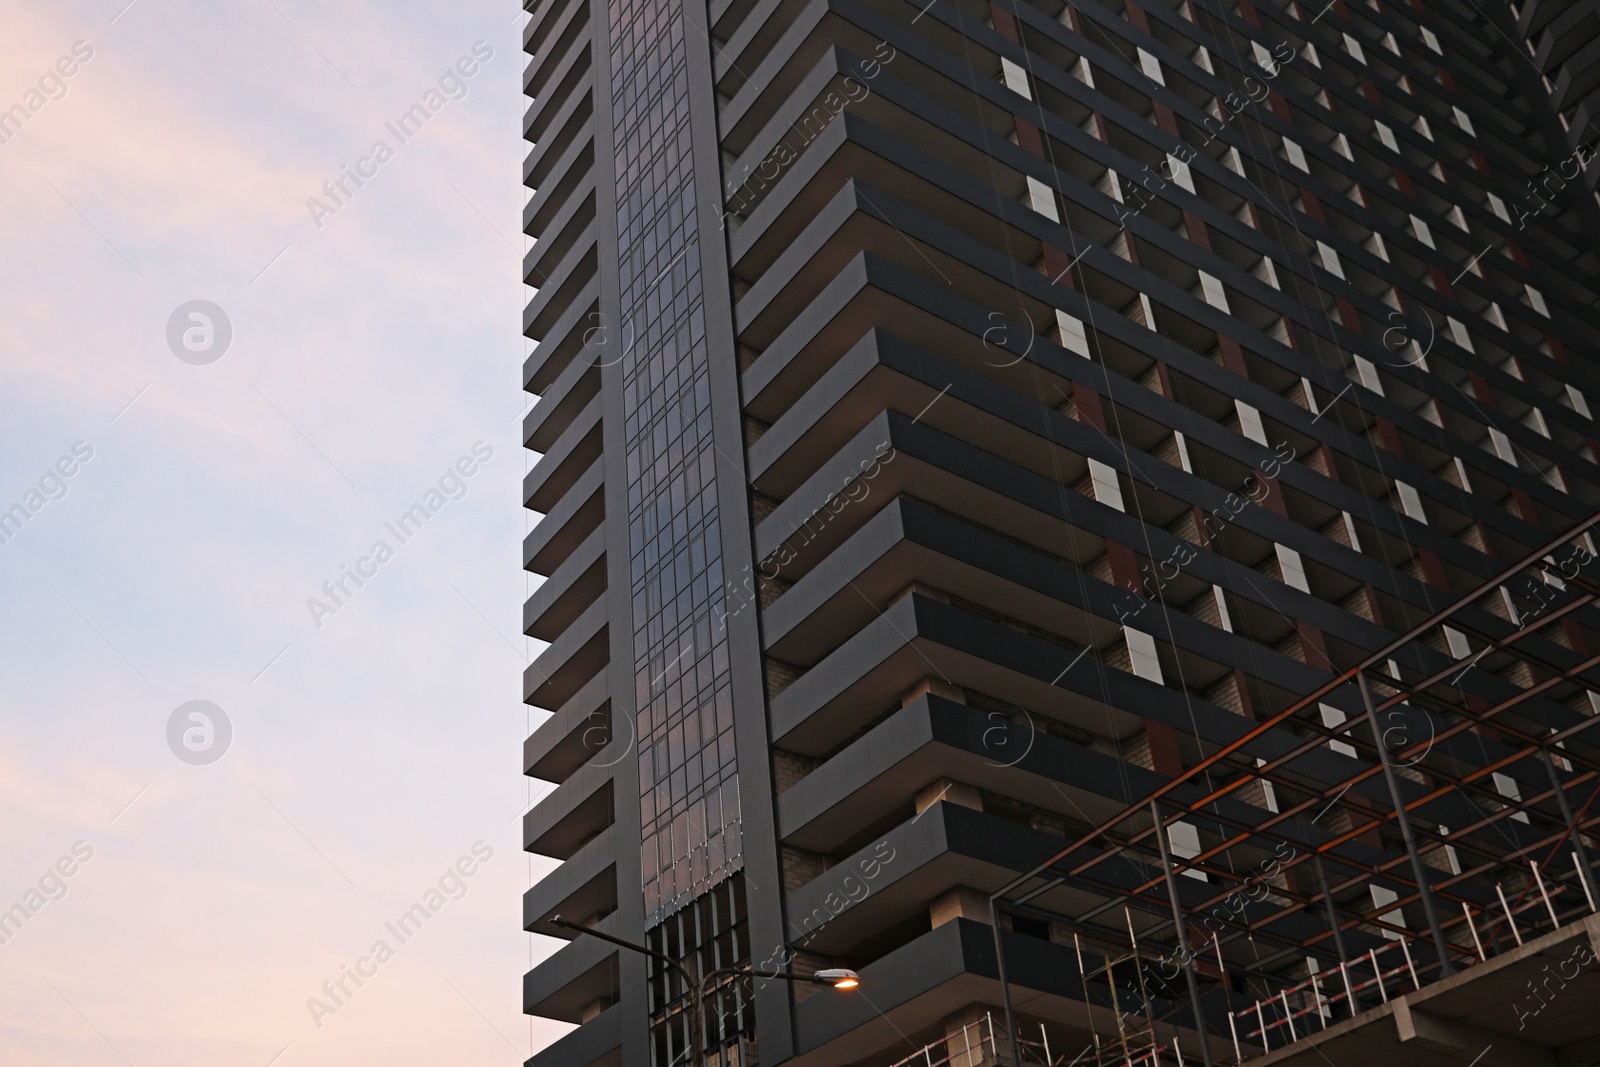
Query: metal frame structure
x,y
1432,797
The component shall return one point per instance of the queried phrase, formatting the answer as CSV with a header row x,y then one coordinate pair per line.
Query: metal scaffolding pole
x,y
1585,870
1177,919
1418,869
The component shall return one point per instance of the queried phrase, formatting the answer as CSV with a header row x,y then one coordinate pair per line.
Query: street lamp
x,y
838,977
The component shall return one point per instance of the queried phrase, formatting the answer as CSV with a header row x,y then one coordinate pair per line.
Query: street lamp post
x,y
838,978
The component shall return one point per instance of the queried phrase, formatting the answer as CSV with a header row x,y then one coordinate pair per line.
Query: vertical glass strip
x,y
689,784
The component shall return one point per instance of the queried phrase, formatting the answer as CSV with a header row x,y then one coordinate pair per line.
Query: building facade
x,y
960,421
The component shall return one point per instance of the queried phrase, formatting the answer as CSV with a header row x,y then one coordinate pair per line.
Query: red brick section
x,y
1574,635
1241,682
1005,23
1390,436
1029,138
1055,265
1164,755
1480,388
1165,119
1314,648
1441,283
1349,317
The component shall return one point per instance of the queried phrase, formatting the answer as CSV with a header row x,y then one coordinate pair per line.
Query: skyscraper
x,y
973,435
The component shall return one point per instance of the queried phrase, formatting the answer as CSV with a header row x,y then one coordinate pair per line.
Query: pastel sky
x,y
374,746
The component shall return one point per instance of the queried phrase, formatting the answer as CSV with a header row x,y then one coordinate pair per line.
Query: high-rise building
x,y
1073,511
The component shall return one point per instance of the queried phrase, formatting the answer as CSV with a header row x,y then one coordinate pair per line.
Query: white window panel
x,y
1502,446
1211,289
1411,501
1382,897
1462,120
1222,613
1180,173
1459,334
1368,373
1579,402
1295,155
1450,856
1250,422
1107,489
1498,206
1111,185
1310,395
1267,273
1016,78
1151,67
1269,794
1330,260
1431,41
1073,336
1142,655
1508,787
1183,452
1184,840
1149,311
1422,232
1353,46
1456,642
1333,718
1350,530
1536,300
1510,604
1294,570
1386,135
1042,199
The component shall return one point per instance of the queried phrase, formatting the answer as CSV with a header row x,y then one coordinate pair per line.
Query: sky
x,y
222,383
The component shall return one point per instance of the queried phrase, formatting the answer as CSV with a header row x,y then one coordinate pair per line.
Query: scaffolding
x,y
1428,806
